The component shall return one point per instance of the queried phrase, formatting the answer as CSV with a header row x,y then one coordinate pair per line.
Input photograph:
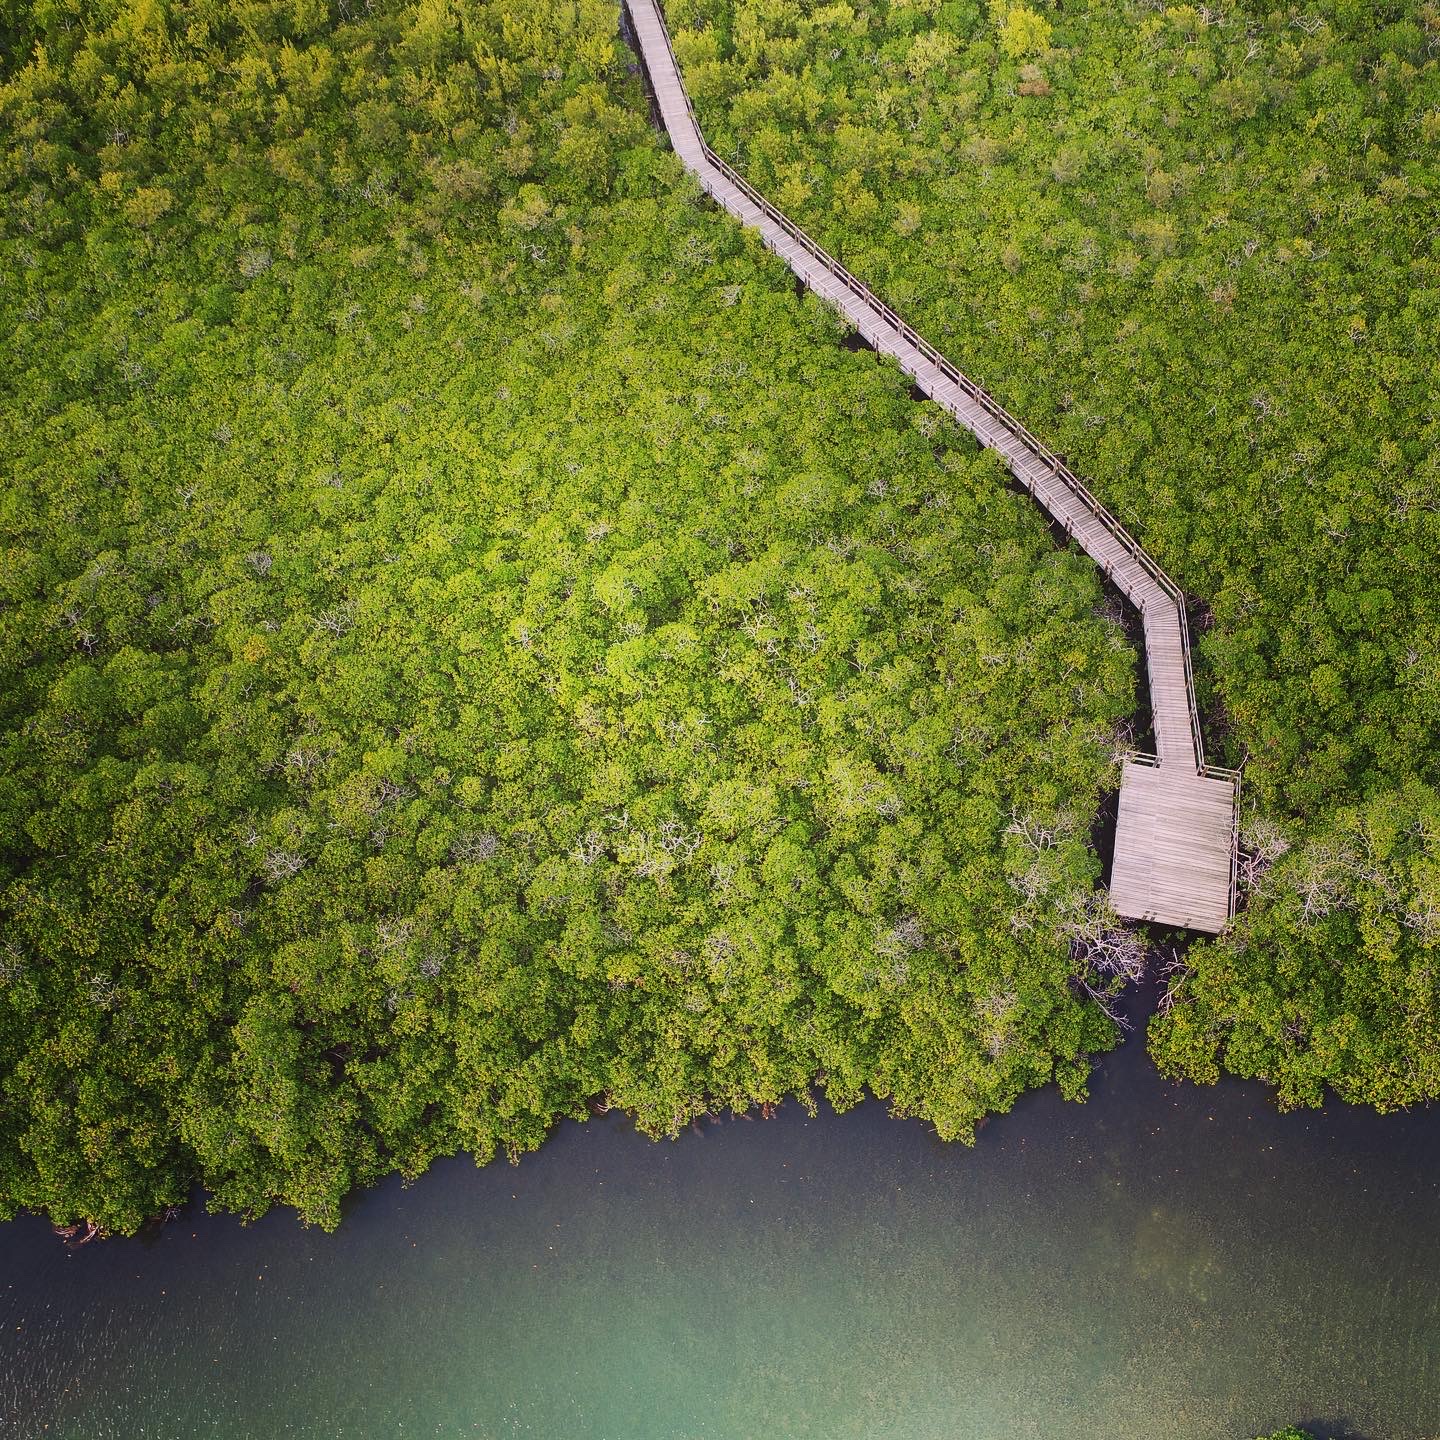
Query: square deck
x,y
1174,843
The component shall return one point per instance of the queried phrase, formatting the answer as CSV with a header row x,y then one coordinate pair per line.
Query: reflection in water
x,y
1160,1262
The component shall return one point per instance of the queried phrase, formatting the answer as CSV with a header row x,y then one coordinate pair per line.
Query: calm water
x,y
1160,1262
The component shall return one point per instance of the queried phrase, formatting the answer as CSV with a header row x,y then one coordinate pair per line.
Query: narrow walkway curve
x,y
1177,830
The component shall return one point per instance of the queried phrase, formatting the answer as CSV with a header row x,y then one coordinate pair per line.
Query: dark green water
x,y
1160,1262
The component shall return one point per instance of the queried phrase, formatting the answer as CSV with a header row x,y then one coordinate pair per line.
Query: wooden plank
x,y
1175,835
1173,848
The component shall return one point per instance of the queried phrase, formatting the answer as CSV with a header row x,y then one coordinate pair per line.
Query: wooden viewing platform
x,y
1177,831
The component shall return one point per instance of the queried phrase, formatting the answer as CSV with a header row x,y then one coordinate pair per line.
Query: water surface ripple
x,y
1163,1261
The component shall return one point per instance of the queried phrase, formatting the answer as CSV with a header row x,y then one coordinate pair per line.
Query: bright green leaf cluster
x,y
1196,249
475,645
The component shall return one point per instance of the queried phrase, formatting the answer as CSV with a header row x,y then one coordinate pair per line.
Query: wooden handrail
x,y
979,396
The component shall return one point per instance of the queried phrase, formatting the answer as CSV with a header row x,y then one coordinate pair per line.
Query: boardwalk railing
x,y
980,397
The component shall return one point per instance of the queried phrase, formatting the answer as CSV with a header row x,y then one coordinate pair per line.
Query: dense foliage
x,y
1198,248
475,643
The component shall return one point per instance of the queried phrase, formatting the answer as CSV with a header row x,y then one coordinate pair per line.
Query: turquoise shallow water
x,y
1161,1262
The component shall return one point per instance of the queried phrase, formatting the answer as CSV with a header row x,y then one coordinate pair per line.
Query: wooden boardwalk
x,y
1174,859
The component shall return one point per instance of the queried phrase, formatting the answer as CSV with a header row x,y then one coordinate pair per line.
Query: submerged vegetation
x,y
474,642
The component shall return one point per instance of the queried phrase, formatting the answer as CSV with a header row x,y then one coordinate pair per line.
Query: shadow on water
x,y
1102,834
1333,1430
